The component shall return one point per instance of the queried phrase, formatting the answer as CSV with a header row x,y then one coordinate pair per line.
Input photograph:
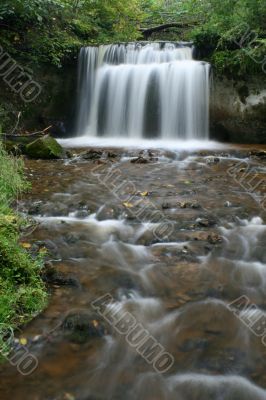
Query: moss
x,y
45,147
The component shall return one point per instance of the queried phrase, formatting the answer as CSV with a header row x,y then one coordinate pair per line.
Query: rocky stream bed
x,y
174,237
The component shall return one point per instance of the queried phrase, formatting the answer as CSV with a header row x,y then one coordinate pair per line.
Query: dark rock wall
x,y
55,104
238,110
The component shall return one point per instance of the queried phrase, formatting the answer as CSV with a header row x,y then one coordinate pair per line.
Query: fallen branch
x,y
32,134
15,127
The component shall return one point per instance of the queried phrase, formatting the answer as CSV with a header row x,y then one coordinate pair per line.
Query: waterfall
x,y
140,90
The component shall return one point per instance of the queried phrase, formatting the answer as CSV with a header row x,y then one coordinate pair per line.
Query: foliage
x,y
54,30
229,33
22,293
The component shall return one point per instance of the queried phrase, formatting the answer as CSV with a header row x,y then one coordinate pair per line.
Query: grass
x,y
22,292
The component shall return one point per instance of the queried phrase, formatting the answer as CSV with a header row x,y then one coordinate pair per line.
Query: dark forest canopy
x,y
53,30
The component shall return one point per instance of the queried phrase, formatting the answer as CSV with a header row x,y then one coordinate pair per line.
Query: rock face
x,y
54,106
45,147
238,110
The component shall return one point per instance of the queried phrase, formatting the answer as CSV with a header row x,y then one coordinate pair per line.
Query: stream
x,y
156,269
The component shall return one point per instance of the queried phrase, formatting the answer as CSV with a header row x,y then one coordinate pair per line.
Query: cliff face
x,y
55,104
238,110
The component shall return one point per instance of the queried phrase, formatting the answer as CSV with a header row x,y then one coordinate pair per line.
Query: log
x,y
148,31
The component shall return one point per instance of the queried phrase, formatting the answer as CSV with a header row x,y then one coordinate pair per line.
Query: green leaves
x,y
54,30
22,292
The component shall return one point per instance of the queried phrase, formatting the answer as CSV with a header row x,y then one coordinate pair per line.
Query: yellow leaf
x,y
23,341
69,396
144,194
128,205
95,323
26,245
10,219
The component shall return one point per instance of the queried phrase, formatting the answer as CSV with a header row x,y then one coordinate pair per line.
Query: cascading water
x,y
126,292
153,90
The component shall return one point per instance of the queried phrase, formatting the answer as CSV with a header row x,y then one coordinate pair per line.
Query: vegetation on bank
x,y
230,33
22,292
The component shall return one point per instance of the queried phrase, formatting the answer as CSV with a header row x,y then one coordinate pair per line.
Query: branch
x,y
30,134
148,31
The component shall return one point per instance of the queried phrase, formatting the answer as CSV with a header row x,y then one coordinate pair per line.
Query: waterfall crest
x,y
139,90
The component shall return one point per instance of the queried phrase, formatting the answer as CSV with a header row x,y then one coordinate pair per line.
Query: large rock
x,y
45,147
83,325
238,110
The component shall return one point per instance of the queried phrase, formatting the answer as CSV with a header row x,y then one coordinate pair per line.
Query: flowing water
x,y
153,90
156,263
173,257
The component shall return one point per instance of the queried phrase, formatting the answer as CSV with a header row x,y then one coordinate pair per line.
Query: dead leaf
x,y
144,194
23,341
128,205
26,245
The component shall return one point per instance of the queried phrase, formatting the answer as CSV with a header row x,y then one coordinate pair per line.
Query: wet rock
x,y
167,206
205,222
109,213
228,204
258,154
53,277
35,208
212,160
81,326
69,154
91,155
214,238
126,281
181,204
82,214
189,204
140,160
111,155
45,148
194,344
72,238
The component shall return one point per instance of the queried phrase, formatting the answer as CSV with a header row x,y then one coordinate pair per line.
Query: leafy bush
x,y
22,292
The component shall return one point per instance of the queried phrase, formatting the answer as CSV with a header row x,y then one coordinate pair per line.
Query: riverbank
x,y
22,292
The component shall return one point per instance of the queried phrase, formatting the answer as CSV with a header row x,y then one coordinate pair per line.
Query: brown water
x,y
174,241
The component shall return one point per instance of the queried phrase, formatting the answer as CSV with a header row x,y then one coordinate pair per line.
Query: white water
x,y
188,145
142,91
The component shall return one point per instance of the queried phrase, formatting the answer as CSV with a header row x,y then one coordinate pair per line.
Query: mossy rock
x,y
45,147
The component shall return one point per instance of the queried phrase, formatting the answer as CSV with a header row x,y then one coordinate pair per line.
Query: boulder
x,y
45,147
81,326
